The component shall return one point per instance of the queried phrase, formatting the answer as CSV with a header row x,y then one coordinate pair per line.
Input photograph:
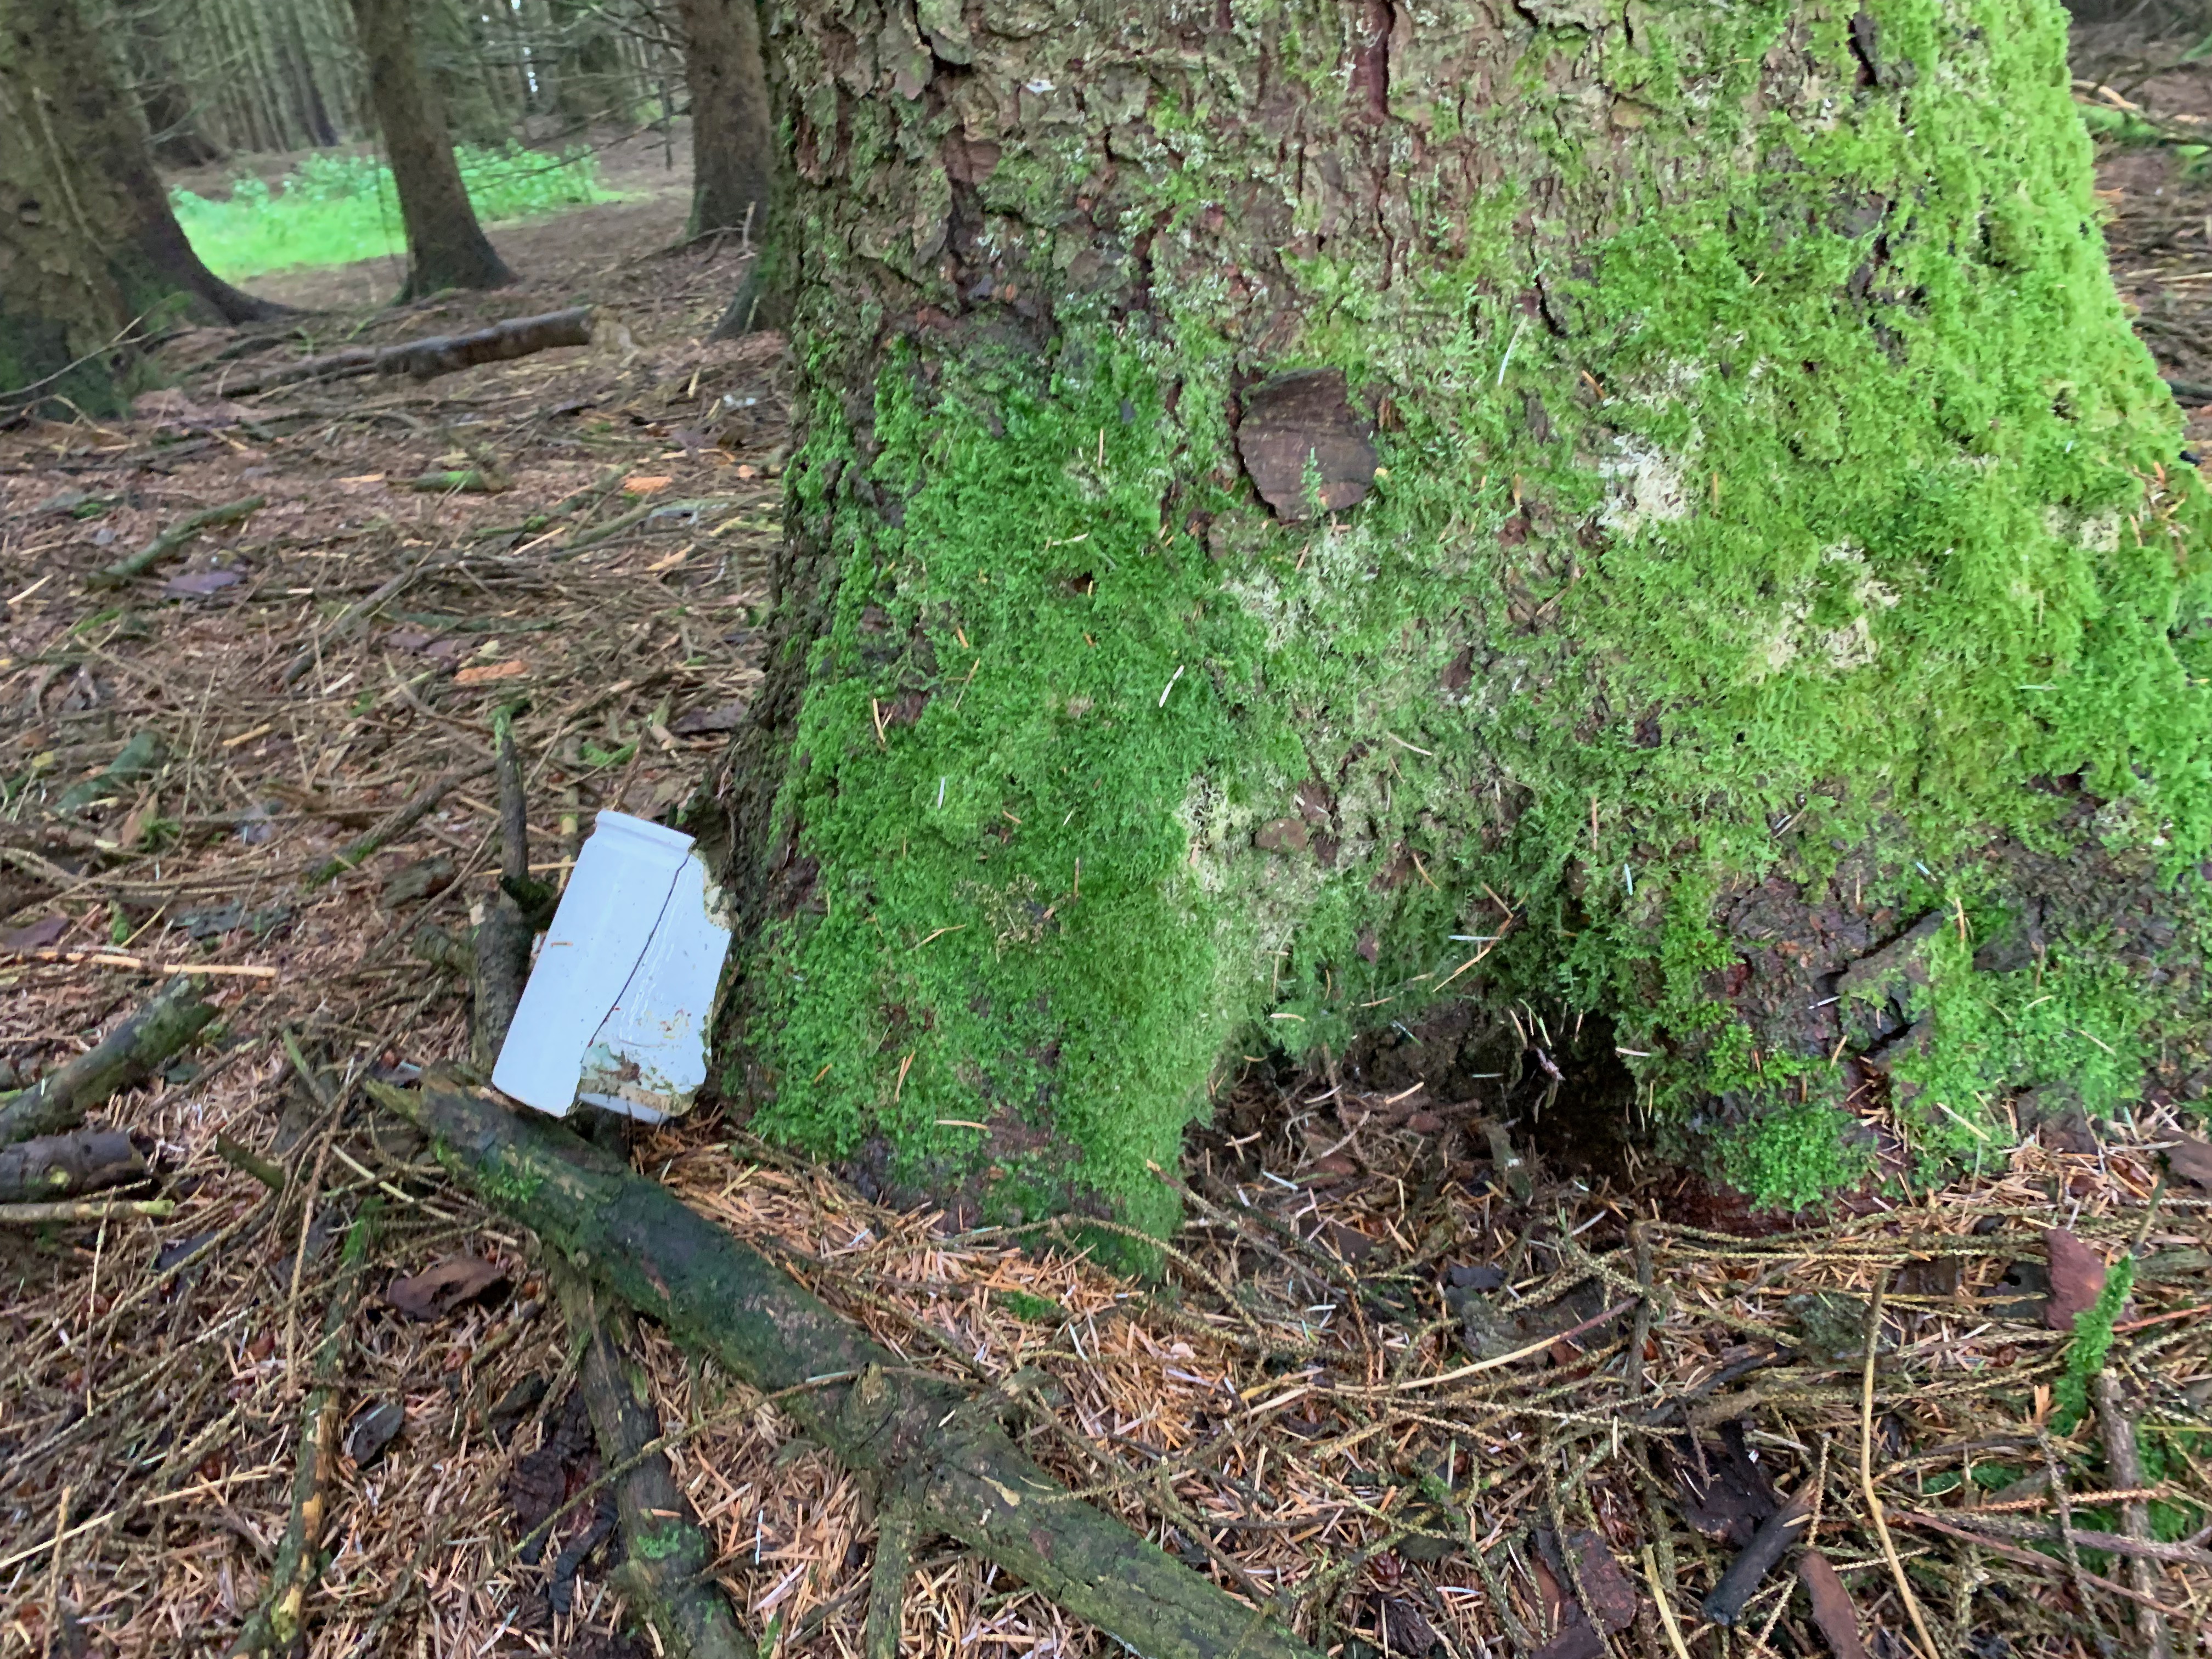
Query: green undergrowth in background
x,y
1843,525
335,208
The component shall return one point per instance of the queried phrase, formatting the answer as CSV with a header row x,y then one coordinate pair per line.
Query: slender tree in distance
x,y
446,245
731,135
1607,560
91,255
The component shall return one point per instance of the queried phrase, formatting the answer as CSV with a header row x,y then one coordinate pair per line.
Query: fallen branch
x,y
2028,1558
434,354
137,564
927,1446
276,1624
127,1055
63,1166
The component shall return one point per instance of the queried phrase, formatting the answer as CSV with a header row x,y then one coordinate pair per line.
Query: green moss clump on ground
x,y
1802,514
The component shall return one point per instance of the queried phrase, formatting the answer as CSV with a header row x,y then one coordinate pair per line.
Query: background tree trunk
x,y
1776,532
445,246
90,254
731,137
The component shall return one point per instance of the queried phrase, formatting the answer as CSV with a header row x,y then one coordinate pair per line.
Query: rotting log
x,y
919,1439
128,1054
434,354
61,1166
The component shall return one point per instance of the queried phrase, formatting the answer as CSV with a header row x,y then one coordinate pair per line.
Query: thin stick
x,y
69,1210
1666,1610
137,564
1866,1473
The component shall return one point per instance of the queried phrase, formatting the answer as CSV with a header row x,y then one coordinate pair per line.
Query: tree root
x,y
667,1555
923,1441
128,1054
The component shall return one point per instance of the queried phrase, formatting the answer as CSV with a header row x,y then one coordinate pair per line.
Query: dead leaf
x,y
2190,1159
645,484
39,936
1406,1630
406,639
1612,1598
1724,1494
2077,1278
723,717
437,1291
512,669
374,1428
194,584
1833,1609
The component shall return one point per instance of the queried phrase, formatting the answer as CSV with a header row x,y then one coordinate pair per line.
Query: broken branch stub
x,y
917,1436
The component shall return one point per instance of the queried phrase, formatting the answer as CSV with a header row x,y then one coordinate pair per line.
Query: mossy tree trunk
x,y
731,137
91,255
445,246
1321,525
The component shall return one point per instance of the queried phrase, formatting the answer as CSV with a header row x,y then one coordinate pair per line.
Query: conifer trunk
x,y
731,137
445,246
1564,552
91,256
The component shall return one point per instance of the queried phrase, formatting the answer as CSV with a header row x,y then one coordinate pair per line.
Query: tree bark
x,y
90,254
445,246
731,139
1458,540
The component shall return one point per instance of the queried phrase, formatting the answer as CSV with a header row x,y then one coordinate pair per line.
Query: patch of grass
x,y
339,209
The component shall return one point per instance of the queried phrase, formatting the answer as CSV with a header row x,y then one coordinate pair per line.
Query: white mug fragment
x,y
617,1010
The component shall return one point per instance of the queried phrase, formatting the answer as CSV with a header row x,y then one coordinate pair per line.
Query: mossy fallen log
x,y
924,1445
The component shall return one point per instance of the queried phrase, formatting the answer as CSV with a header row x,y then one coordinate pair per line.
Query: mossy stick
x,y
127,1055
277,1624
412,813
128,568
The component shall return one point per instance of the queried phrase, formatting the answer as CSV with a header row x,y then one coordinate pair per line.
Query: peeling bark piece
x,y
437,1291
1301,418
1832,1608
1784,1528
2077,1278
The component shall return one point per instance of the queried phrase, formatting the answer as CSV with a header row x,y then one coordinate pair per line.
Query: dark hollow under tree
x,y
1461,540
731,138
446,245
91,255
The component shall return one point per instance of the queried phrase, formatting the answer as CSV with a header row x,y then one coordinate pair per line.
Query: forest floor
x,y
1493,1443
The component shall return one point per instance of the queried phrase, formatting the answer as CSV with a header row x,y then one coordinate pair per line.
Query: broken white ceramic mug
x,y
617,1007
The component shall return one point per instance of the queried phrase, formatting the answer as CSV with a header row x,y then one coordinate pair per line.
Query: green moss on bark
x,y
1773,496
